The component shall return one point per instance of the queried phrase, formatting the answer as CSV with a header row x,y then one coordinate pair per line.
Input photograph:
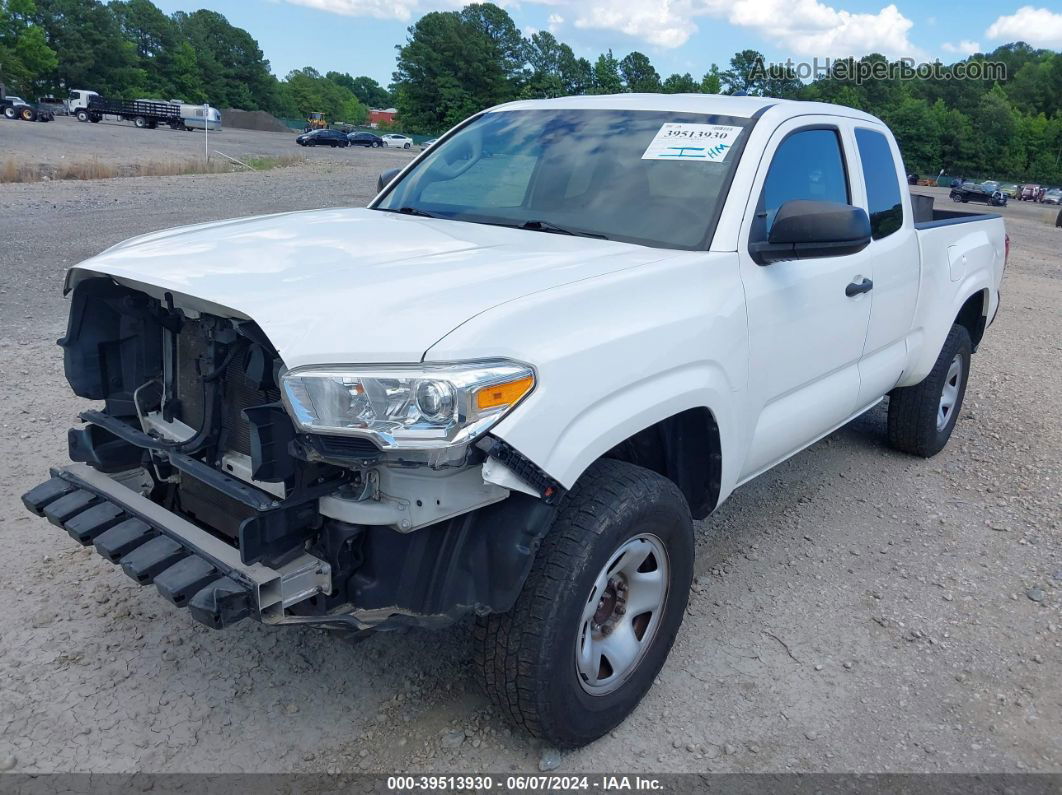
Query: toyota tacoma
x,y
504,390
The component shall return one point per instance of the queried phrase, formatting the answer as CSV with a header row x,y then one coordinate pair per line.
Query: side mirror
x,y
806,229
386,177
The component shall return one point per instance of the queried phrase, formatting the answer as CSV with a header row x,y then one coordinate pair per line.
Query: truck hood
x,y
355,285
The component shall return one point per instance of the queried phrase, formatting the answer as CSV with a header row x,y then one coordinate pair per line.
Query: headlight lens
x,y
413,407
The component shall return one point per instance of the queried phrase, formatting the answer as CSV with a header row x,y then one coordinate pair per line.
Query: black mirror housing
x,y
805,229
385,177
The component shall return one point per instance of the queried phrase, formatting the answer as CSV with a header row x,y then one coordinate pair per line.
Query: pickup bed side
x,y
963,257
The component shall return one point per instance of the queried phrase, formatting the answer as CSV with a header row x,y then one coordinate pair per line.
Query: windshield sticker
x,y
675,141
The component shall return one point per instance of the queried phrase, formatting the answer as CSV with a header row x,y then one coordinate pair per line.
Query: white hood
x,y
356,285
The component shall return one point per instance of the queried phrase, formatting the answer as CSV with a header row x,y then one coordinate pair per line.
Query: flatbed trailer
x,y
143,114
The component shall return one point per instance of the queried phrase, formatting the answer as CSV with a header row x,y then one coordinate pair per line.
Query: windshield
x,y
649,177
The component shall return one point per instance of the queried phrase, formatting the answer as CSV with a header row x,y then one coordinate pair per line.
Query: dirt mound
x,y
252,120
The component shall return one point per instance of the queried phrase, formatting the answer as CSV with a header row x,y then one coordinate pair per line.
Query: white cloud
x,y
801,27
1037,26
378,9
797,27
964,47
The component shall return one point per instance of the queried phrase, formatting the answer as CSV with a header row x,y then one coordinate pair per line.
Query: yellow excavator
x,y
316,121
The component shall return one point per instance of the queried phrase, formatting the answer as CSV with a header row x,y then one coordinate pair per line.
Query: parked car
x,y
428,143
322,138
1052,196
423,411
989,186
1010,190
396,141
365,139
974,192
1029,193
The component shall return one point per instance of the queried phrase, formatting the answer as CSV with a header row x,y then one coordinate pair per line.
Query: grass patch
x,y
13,171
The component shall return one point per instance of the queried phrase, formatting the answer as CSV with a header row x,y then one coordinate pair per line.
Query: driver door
x,y
806,335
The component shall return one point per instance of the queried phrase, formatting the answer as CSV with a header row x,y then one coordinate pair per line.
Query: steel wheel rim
x,y
622,614
949,395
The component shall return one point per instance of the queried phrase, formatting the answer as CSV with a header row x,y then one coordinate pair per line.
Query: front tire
x,y
599,611
922,417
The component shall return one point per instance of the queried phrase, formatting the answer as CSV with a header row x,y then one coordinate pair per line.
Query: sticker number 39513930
x,y
705,142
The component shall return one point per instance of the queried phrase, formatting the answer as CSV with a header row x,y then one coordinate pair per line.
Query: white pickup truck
x,y
506,388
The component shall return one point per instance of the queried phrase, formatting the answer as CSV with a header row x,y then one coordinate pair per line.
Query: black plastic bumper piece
x,y
123,538
145,551
90,523
154,557
185,578
67,507
220,604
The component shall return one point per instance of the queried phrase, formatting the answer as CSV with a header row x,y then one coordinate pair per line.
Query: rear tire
x,y
28,114
140,122
547,663
922,417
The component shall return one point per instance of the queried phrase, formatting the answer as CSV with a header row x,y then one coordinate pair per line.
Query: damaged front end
x,y
194,477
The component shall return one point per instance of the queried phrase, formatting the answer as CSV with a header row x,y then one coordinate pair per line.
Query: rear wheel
x,y
28,114
922,417
140,122
599,611
406,145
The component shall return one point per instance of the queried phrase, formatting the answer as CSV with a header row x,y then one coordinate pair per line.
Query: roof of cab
x,y
715,104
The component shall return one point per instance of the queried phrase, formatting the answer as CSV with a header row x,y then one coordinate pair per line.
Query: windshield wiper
x,y
415,211
546,226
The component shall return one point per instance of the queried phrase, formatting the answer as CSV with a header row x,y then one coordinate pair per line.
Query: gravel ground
x,y
121,144
854,610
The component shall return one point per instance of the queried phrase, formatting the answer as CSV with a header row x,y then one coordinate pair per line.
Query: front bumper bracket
x,y
189,567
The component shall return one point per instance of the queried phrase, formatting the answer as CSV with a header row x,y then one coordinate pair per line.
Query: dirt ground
x,y
120,144
855,609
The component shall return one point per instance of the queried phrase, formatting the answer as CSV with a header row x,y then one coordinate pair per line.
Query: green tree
x,y
233,70
93,52
917,134
712,82
681,84
26,60
639,74
577,74
544,54
450,67
747,74
606,75
368,91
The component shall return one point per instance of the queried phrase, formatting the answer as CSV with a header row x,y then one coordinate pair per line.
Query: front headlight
x,y
406,406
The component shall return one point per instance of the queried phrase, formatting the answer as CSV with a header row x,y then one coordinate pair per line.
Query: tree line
x,y
131,49
455,63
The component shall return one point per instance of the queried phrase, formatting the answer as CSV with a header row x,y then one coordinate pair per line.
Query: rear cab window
x,y
884,199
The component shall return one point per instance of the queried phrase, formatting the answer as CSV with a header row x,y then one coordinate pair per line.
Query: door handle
x,y
855,288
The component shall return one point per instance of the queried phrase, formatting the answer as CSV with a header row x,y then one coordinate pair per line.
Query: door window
x,y
883,186
807,165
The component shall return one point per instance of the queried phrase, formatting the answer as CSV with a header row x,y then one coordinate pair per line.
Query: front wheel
x,y
599,611
922,417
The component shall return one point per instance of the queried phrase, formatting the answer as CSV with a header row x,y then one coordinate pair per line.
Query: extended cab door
x,y
897,260
806,334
